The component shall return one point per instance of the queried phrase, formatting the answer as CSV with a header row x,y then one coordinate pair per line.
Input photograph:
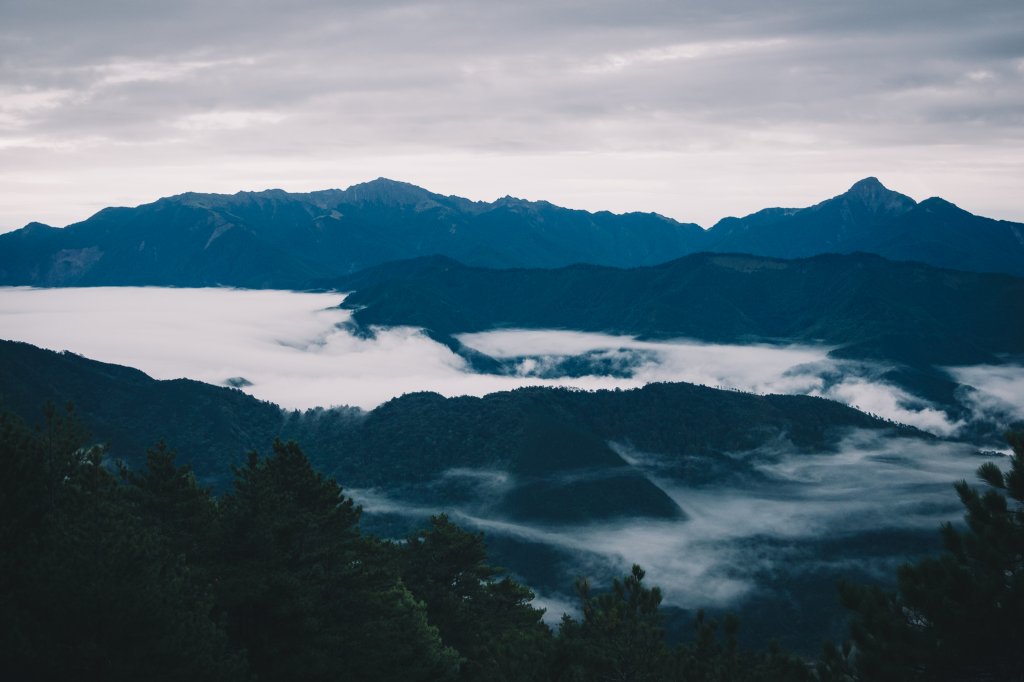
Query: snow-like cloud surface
x,y
295,350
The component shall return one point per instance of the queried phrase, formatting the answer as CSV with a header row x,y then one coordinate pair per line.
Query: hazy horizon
x,y
695,111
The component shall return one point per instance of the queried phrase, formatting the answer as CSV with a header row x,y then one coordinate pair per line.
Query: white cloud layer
x,y
994,391
295,350
752,368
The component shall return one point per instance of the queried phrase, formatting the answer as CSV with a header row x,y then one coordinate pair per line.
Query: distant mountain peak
x,y
36,227
274,238
876,197
382,183
509,200
940,205
868,184
389,192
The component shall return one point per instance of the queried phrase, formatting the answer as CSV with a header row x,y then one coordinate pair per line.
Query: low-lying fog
x,y
294,350
822,514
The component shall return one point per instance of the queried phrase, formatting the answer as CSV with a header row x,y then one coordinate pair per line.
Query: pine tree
x,y
956,617
487,619
620,638
95,592
306,595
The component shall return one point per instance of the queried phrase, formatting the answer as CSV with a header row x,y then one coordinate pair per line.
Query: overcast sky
x,y
696,110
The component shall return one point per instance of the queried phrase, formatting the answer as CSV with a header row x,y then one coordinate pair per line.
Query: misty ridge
x,y
739,536
732,501
721,524
751,428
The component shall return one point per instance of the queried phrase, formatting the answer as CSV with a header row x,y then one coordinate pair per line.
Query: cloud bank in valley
x,y
736,535
737,538
753,368
997,392
295,350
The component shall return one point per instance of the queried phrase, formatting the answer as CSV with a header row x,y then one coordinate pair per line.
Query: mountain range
x,y
276,239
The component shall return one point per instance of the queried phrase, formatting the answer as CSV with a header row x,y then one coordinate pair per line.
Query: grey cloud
x,y
995,392
701,85
524,47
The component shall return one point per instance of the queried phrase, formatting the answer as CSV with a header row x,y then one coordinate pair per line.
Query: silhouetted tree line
x,y
107,573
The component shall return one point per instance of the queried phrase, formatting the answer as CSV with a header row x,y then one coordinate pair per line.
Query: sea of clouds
x,y
295,349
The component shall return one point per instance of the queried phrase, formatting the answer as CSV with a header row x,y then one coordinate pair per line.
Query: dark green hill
x,y
212,427
866,306
549,446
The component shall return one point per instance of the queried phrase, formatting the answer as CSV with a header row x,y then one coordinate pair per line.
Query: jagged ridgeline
x,y
275,239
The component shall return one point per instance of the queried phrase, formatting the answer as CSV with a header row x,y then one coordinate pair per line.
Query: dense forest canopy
x,y
117,574
420,434
865,306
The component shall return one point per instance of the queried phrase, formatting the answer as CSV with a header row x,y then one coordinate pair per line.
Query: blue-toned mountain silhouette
x,y
276,239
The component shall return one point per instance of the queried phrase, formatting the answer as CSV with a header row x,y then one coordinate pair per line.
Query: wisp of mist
x,y
735,534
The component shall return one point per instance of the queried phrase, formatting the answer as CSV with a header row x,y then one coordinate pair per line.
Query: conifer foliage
x,y
89,589
112,574
956,617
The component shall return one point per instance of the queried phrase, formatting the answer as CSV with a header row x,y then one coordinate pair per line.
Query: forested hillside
x,y
866,306
553,441
535,458
146,575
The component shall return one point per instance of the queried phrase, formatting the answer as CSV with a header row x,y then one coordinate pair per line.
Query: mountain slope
x,y
873,219
534,467
865,305
940,233
829,227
